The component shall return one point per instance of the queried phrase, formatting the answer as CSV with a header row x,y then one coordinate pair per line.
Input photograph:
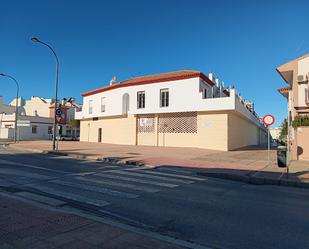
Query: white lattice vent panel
x,y
178,122
146,124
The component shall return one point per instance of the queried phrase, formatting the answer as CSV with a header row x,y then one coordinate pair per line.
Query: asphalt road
x,y
170,201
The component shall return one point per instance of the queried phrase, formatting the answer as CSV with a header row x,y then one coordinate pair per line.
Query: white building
x,y
183,108
42,107
275,132
29,127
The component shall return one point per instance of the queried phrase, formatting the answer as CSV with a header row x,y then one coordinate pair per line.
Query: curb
x,y
83,157
257,180
96,158
233,177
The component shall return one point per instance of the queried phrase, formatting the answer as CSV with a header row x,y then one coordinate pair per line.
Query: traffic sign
x,y
58,119
268,119
58,112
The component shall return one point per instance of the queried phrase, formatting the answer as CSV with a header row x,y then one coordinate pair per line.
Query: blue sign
x,y
58,112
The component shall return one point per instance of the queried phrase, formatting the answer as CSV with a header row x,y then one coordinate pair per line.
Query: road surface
x,y
176,202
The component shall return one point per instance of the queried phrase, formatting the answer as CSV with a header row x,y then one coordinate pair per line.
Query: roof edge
x,y
150,81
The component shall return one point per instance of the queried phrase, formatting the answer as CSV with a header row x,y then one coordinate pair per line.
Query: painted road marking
x,y
153,177
173,175
31,166
96,189
118,184
70,196
6,171
41,199
124,178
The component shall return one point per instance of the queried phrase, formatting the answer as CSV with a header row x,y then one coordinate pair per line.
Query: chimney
x,y
217,81
113,81
210,76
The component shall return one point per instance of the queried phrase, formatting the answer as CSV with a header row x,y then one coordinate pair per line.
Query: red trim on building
x,y
31,122
145,81
227,92
40,123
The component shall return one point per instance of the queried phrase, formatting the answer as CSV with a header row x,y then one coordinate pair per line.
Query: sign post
x,y
268,120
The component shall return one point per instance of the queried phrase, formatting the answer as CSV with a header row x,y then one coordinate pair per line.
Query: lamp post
x,y
56,88
16,104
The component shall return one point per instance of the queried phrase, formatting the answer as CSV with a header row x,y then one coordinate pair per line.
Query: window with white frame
x,y
90,106
102,104
164,98
205,93
141,99
307,94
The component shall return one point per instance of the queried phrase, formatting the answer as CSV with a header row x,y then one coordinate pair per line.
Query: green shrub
x,y
300,121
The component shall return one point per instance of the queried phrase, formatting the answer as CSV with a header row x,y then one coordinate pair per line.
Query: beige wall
x,y
115,130
212,132
37,107
302,135
242,132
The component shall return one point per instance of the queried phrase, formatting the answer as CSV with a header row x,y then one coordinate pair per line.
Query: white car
x,y
65,138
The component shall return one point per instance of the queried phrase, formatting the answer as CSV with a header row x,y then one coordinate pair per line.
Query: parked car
x,y
65,138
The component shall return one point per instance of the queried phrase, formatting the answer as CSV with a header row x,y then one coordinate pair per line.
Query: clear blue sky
x,y
240,41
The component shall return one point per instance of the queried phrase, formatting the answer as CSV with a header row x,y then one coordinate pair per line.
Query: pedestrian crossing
x,y
96,188
138,180
119,184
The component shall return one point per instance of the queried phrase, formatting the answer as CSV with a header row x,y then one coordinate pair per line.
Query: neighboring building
x,y
35,119
42,107
29,127
36,106
182,109
68,114
296,74
6,109
275,132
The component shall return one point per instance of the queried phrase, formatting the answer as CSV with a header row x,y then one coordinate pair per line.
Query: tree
x,y
284,130
75,123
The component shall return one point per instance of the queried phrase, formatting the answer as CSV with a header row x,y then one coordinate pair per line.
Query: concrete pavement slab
x,y
57,230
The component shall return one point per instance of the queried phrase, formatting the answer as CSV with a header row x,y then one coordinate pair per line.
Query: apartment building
x,y
296,73
181,109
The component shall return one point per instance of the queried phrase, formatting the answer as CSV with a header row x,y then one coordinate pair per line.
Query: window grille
x,y
146,124
178,122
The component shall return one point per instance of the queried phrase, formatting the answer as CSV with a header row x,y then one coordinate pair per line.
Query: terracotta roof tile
x,y
155,78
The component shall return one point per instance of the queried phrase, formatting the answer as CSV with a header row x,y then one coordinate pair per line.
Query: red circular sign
x,y
268,119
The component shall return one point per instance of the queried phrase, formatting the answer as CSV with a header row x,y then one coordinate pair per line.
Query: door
x,y
100,135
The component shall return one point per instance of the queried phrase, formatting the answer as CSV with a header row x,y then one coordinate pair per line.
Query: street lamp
x,y
56,88
16,103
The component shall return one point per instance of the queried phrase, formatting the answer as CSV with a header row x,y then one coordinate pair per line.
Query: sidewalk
x,y
248,165
23,225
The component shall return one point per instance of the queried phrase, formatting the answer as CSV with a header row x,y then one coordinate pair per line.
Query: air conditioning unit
x,y
302,78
